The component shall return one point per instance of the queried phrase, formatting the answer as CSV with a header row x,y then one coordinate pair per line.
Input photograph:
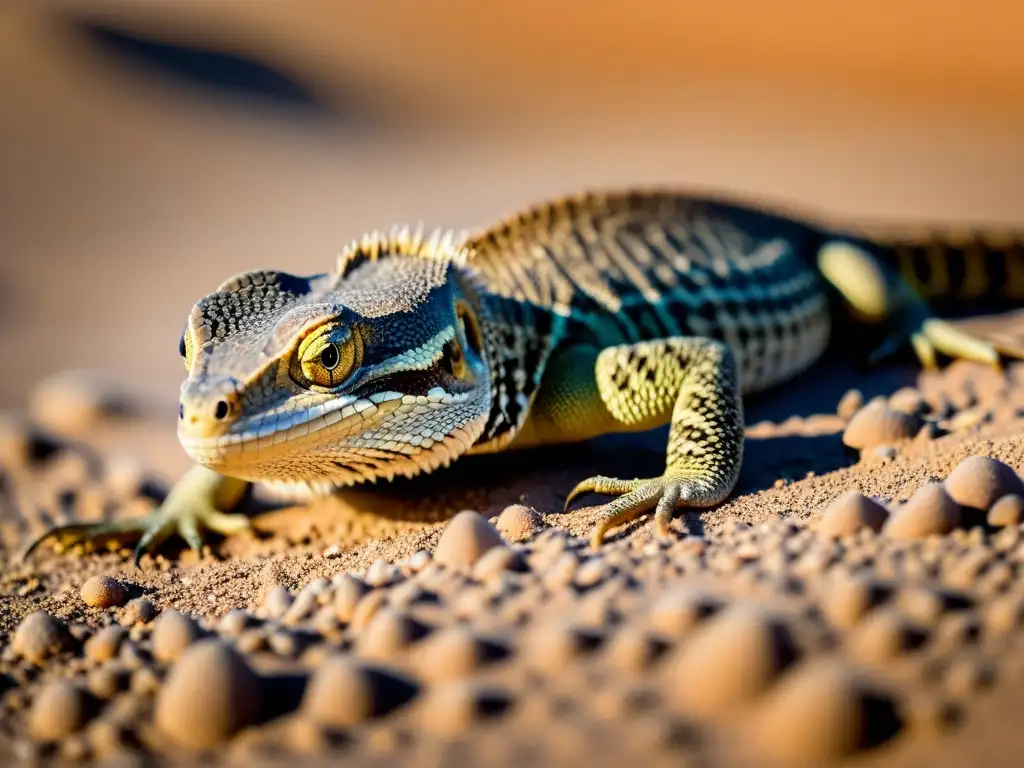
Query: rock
x,y
466,537
40,636
679,610
519,522
453,708
877,424
847,599
449,654
139,611
851,512
344,692
104,645
728,661
210,694
60,708
277,601
173,633
1007,511
978,482
388,634
851,402
496,561
908,400
103,592
822,712
348,591
929,511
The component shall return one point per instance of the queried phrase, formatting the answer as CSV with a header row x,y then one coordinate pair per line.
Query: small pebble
x,y
908,400
348,591
389,633
209,695
1007,511
103,592
277,601
105,644
851,402
519,522
173,633
877,424
107,681
453,708
929,511
822,712
139,611
978,482
59,709
466,537
379,574
680,609
234,622
344,692
881,637
727,661
40,636
848,599
851,512
449,654
495,562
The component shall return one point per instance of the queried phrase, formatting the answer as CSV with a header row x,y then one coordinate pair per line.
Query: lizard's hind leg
x,y
694,384
877,294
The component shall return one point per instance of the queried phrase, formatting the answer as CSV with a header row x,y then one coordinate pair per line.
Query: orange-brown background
x,y
125,195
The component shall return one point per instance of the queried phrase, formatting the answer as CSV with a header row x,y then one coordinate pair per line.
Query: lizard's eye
x,y
327,356
185,348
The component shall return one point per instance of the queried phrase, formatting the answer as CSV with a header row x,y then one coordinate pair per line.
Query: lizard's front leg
x,y
193,504
693,383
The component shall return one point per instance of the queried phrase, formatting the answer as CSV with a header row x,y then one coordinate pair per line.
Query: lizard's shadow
x,y
543,477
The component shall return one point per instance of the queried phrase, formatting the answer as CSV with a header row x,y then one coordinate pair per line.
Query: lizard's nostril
x,y
181,410
221,410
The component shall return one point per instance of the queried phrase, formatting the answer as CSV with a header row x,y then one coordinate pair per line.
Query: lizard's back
x,y
628,267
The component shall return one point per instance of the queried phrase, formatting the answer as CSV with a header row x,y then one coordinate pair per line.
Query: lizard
x,y
602,312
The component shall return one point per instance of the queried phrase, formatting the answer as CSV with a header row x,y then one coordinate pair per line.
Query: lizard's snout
x,y
206,410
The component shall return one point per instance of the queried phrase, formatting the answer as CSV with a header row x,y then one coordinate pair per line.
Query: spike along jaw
x,y
344,387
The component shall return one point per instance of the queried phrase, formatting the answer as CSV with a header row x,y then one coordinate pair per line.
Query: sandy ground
x,y
778,628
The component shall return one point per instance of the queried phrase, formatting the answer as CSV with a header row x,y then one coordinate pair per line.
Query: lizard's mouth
x,y
345,419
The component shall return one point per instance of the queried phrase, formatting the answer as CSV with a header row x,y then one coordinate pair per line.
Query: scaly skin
x,y
588,315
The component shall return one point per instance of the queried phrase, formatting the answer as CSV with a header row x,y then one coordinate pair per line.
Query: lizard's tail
x,y
969,269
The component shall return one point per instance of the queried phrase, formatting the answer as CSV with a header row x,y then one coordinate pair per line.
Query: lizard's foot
x,y
929,336
189,508
663,494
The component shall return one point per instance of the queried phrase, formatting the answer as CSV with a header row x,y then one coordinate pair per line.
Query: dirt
x,y
845,606
857,601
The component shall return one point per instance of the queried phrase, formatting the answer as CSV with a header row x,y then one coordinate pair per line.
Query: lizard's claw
x,y
188,510
663,494
931,335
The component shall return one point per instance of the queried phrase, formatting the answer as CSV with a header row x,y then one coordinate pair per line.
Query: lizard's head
x,y
374,370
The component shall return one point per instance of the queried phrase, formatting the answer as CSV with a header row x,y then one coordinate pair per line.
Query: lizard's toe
x,y
930,336
188,510
637,498
662,494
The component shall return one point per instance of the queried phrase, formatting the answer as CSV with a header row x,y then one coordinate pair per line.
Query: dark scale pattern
x,y
643,266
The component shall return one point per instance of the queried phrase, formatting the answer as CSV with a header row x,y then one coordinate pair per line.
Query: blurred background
x,y
151,150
